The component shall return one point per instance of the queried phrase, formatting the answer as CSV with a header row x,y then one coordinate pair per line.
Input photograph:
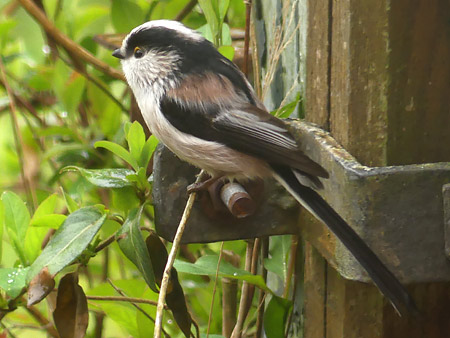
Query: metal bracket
x,y
397,210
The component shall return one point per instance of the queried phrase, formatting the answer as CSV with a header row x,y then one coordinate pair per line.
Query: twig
x,y
8,330
262,294
171,259
214,289
96,83
118,290
69,45
18,139
244,294
105,243
124,299
51,330
248,9
186,10
292,259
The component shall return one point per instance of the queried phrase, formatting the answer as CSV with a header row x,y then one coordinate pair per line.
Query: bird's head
x,y
160,52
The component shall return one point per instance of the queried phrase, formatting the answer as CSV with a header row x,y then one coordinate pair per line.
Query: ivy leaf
x,y
105,178
133,246
69,241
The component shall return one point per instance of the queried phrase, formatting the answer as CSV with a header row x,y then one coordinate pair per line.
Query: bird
x,y
202,107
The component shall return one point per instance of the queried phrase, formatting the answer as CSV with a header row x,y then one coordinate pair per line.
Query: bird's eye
x,y
138,53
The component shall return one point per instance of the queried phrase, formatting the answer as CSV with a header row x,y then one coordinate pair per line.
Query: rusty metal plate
x,y
276,213
397,210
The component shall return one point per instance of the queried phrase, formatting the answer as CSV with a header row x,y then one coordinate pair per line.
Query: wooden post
x,y
378,77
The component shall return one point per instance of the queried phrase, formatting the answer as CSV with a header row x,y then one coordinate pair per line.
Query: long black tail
x,y
388,284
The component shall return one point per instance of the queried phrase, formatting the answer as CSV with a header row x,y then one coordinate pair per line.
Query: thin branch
x,y
44,322
96,83
248,9
244,294
214,289
18,139
7,330
262,294
105,243
69,45
118,290
186,10
124,299
171,259
292,259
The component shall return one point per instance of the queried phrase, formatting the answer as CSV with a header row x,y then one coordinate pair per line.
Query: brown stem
x,y
171,258
248,9
242,314
118,290
186,10
262,294
18,139
69,45
124,299
105,243
291,265
214,289
51,330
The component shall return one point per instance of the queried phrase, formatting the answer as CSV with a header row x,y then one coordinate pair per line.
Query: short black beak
x,y
118,54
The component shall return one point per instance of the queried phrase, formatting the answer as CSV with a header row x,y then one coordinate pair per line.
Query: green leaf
x,y
207,265
136,140
279,250
223,8
108,113
119,151
47,206
133,246
69,240
33,242
2,227
53,221
17,220
105,178
275,317
125,15
147,151
205,30
124,199
288,109
13,280
227,51
72,206
226,36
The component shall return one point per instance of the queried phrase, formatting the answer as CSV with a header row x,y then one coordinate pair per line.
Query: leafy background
x,y
75,184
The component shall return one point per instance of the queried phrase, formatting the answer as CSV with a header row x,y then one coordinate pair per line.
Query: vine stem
x,y
171,259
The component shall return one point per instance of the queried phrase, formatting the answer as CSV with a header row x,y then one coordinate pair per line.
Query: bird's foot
x,y
199,186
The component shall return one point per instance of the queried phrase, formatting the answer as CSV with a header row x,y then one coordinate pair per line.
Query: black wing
x,y
206,106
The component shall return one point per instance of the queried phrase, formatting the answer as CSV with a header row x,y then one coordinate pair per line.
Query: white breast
x,y
217,159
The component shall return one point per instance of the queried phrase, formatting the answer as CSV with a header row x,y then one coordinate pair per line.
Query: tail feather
x,y
387,283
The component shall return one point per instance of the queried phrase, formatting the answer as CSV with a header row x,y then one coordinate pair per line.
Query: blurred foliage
x,y
75,186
